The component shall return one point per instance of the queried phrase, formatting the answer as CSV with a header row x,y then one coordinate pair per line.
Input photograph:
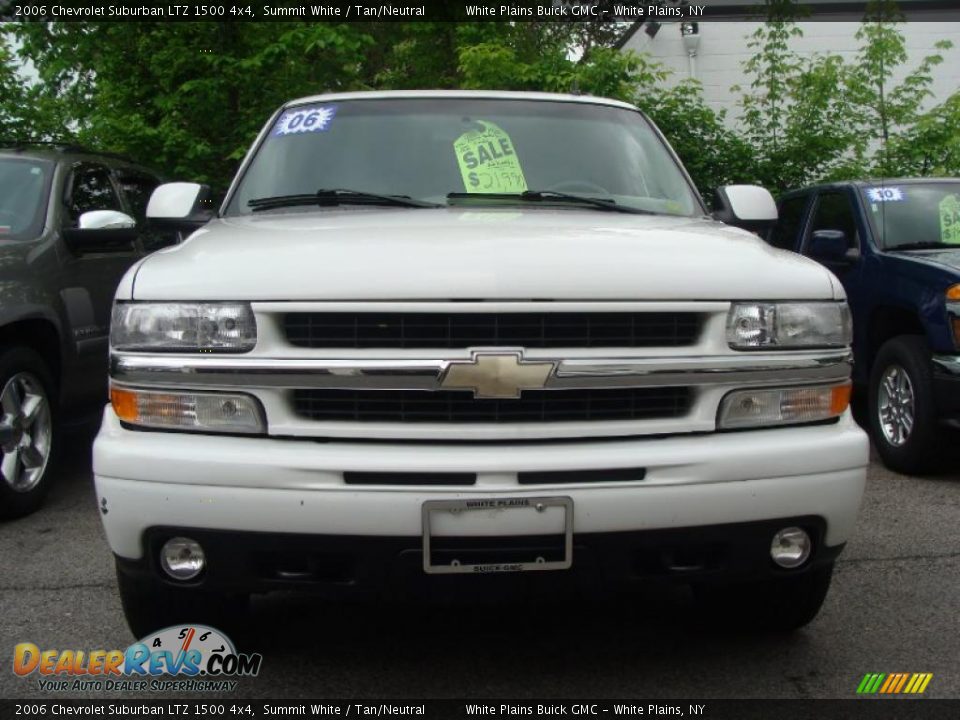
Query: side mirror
x,y
831,246
748,206
101,231
180,206
106,220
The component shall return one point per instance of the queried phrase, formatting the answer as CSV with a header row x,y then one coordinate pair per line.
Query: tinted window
x,y
834,212
24,184
926,214
91,189
786,231
137,188
426,148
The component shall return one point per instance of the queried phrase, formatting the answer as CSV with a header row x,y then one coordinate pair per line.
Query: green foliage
x,y
881,110
712,153
931,147
793,116
188,98
10,90
24,113
826,118
772,67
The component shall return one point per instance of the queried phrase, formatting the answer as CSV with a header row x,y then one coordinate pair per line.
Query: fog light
x,y
182,558
791,547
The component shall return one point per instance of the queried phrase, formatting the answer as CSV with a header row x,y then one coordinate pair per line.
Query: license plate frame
x,y
504,503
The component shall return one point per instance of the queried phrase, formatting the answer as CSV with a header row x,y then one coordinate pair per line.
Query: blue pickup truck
x,y
895,247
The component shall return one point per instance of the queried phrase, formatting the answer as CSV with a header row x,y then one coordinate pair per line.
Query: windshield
x,y
23,197
428,148
914,215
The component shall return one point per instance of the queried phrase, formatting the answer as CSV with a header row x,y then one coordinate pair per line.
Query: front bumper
x,y
946,387
343,566
278,490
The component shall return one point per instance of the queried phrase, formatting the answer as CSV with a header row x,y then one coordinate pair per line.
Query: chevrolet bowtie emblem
x,y
496,375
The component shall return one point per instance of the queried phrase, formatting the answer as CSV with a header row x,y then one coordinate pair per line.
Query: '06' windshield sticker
x,y
488,161
885,194
950,220
312,118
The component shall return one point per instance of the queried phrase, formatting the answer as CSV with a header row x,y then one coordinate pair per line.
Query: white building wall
x,y
723,49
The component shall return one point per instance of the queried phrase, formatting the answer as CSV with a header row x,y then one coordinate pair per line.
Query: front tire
x,y
776,605
150,605
29,432
903,418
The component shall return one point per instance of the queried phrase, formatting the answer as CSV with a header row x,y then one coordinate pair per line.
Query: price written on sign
x,y
950,220
488,161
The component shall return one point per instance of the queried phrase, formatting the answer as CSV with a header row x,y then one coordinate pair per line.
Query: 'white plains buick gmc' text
x,y
437,334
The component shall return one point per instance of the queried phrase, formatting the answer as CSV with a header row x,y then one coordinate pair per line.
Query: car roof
x,y
867,182
56,152
461,94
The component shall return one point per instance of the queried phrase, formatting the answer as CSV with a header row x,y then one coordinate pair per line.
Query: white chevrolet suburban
x,y
431,336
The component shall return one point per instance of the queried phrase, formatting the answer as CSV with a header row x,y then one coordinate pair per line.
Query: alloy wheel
x,y
26,432
896,405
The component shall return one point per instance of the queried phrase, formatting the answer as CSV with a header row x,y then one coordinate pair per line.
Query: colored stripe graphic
x,y
894,683
903,680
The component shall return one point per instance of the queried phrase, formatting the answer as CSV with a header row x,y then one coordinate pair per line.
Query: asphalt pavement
x,y
893,607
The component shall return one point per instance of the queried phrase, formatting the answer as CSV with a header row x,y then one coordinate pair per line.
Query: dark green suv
x,y
71,224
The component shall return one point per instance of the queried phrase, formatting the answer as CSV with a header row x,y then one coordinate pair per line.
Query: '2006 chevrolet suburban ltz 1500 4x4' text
x,y
433,334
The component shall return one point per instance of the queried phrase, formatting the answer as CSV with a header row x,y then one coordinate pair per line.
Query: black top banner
x,y
451,709
442,11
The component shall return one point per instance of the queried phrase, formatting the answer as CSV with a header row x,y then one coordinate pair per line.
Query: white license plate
x,y
514,517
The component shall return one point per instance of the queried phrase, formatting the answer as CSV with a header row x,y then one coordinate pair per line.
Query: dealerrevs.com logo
x,y
201,658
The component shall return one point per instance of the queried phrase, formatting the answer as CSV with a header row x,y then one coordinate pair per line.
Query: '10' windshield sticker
x,y
313,118
890,194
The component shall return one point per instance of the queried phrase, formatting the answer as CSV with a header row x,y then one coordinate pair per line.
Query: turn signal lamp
x,y
198,412
767,407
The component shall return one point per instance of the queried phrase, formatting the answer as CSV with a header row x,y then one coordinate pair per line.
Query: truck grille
x,y
455,406
463,330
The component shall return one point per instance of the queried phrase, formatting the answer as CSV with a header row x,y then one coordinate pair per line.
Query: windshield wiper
x,y
927,245
552,195
337,196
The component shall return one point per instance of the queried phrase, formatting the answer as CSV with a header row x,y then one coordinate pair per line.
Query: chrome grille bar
x,y
749,369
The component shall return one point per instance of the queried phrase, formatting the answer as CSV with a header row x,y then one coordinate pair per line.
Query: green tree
x,y
189,98
10,91
713,154
186,97
826,118
772,67
931,146
882,111
792,115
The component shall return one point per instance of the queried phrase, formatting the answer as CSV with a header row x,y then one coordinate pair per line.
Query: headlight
x,y
756,326
200,412
782,406
183,327
953,312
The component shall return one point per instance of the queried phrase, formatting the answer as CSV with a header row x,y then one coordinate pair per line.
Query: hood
x,y
458,253
947,258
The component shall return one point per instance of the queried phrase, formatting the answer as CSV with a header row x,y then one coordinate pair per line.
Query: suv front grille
x,y
455,406
463,330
